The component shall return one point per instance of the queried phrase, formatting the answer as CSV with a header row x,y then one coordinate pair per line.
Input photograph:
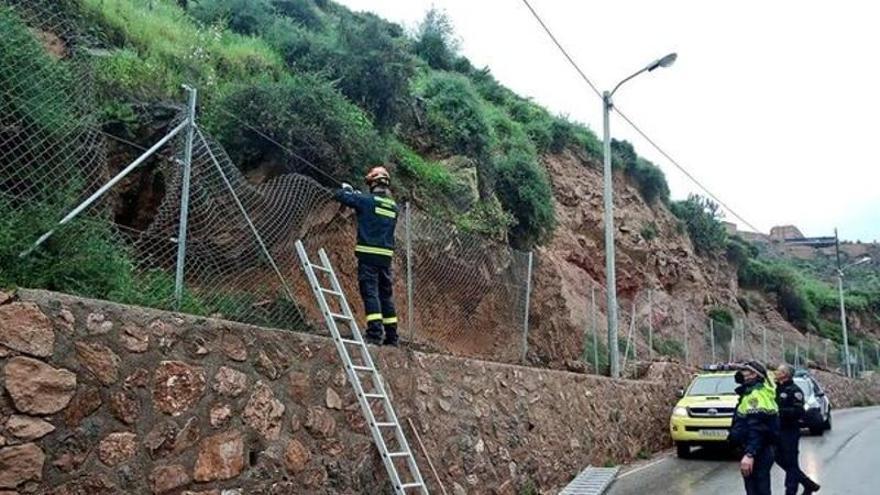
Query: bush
x,y
701,218
649,231
374,69
740,251
649,179
456,117
246,17
524,190
669,347
302,12
82,258
309,117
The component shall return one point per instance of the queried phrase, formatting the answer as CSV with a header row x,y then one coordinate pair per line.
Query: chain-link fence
x,y
457,291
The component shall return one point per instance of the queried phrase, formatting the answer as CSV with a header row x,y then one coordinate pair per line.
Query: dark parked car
x,y
816,403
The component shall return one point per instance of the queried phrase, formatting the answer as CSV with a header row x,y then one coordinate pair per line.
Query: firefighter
x,y
790,399
755,426
376,220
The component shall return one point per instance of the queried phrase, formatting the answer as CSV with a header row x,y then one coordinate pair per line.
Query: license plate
x,y
714,433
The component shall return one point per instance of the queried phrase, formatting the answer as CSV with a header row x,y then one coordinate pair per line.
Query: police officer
x,y
376,221
790,399
755,426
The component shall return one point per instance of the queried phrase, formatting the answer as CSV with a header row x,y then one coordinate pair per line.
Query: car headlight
x,y
680,411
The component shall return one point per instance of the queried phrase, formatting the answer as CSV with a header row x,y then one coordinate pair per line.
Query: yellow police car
x,y
704,414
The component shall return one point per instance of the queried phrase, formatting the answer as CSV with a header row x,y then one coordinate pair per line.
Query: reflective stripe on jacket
x,y
376,221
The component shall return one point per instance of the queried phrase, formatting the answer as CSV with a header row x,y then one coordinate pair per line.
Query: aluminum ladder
x,y
386,430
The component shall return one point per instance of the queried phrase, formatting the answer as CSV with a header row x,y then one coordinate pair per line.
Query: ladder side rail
x,y
366,408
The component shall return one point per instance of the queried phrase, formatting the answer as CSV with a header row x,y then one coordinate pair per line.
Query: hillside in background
x,y
310,87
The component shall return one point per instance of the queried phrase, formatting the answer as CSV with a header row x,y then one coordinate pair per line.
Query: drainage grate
x,y
591,481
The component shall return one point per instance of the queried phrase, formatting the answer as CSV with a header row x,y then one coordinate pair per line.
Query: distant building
x,y
785,233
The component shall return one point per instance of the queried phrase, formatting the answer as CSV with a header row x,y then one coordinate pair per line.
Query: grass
x,y
174,49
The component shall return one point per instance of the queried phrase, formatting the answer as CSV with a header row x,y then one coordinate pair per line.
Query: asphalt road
x,y
845,461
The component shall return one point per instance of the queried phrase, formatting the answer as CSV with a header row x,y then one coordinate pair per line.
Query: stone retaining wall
x,y
99,398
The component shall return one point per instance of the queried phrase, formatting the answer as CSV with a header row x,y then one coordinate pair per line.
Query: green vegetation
x,y
647,176
669,347
701,217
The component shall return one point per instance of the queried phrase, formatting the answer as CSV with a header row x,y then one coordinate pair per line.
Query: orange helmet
x,y
378,176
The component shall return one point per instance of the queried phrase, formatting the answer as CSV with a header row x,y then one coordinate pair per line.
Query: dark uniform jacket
x,y
790,398
376,221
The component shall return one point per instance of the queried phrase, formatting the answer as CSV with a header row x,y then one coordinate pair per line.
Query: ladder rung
x,y
331,291
386,425
362,368
398,454
337,316
350,341
321,267
374,396
410,485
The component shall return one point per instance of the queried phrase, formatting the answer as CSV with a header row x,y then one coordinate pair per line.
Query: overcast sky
x,y
774,106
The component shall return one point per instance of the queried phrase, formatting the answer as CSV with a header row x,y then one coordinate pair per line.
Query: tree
x,y
436,41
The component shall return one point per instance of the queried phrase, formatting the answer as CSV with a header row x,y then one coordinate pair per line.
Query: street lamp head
x,y
663,62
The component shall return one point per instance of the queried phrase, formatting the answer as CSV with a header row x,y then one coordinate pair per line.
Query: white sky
x,y
772,105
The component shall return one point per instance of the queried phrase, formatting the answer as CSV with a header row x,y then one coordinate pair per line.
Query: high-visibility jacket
x,y
756,422
376,221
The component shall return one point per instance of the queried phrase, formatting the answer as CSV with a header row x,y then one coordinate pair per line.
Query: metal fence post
x,y
797,354
712,337
525,339
764,343
686,351
595,330
862,355
410,310
184,196
826,354
782,346
650,325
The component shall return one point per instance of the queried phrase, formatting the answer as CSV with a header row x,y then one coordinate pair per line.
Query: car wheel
x,y
827,424
683,450
817,430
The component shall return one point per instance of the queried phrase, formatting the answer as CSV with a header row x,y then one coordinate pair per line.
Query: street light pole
x,y
610,275
840,269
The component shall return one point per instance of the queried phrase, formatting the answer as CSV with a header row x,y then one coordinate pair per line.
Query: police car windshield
x,y
713,385
805,386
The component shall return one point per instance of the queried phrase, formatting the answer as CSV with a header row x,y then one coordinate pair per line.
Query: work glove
x,y
347,187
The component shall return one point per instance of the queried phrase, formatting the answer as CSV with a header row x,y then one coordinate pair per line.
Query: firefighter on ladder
x,y
376,220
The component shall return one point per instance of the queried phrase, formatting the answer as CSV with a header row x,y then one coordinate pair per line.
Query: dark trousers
x,y
376,285
787,457
759,481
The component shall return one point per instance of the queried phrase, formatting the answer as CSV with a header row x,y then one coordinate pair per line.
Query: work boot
x,y
374,335
811,487
391,337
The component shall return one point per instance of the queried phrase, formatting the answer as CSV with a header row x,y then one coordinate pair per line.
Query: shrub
x,y
82,258
29,101
702,220
435,40
524,190
246,17
456,117
302,12
309,117
650,180
432,178
649,231
739,251
669,347
374,69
